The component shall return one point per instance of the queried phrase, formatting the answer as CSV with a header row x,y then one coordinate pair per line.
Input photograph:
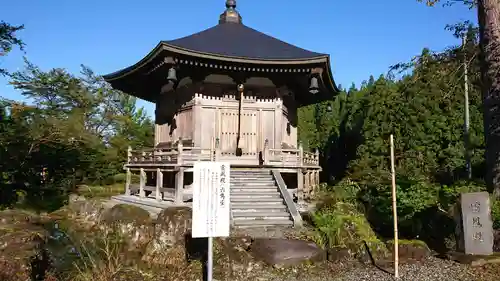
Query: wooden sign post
x,y
211,204
394,211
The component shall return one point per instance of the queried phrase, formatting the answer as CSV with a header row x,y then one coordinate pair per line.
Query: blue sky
x,y
363,37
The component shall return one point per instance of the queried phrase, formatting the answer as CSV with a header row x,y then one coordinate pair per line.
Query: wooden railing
x,y
177,155
290,157
187,155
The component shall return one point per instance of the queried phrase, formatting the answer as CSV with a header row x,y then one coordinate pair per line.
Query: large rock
x,y
86,213
284,252
21,247
131,222
410,250
171,228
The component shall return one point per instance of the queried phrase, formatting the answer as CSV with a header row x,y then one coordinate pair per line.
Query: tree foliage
x,y
8,40
424,109
76,130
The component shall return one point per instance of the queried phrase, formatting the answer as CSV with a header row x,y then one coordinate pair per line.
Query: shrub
x,y
339,223
449,195
495,213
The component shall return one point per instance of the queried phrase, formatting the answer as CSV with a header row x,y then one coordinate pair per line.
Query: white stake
x,y
210,258
394,211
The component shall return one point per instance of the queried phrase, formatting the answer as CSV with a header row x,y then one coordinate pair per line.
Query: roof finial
x,y
230,15
231,4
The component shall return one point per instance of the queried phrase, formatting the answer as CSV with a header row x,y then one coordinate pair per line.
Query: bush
x,y
413,197
449,195
341,224
120,178
495,213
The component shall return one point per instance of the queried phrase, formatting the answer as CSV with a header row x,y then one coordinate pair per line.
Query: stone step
x,y
260,215
247,174
258,179
254,189
252,183
268,172
255,195
262,223
260,205
252,210
262,200
264,186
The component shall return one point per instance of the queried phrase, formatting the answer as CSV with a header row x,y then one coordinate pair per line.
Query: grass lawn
x,y
90,191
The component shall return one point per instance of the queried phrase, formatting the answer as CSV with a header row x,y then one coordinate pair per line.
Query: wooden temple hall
x,y
228,93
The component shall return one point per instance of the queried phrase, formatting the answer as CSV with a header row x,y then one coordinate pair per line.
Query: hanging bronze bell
x,y
314,87
172,75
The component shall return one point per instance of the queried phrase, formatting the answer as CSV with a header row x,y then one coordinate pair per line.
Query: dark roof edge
x,y
331,80
168,47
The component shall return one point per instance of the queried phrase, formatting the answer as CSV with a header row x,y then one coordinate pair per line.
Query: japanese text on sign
x,y
211,217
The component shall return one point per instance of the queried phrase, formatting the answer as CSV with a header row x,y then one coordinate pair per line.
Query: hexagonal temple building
x,y
228,93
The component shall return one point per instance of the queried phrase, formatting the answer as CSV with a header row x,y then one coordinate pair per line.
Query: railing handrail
x,y
292,208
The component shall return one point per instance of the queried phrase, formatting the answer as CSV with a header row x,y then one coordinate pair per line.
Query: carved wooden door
x,y
229,125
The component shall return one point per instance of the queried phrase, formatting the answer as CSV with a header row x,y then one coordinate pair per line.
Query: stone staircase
x,y
256,200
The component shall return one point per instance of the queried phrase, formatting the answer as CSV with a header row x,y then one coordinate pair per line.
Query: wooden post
x,y
159,184
217,149
394,212
300,185
179,151
266,152
179,186
142,183
301,155
316,156
129,154
307,185
128,182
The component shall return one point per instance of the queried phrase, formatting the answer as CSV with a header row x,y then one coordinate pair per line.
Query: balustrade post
x,y
129,155
128,180
316,156
159,184
301,155
142,183
266,152
179,151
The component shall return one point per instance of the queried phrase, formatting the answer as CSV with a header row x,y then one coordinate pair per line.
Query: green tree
x,y
489,33
8,40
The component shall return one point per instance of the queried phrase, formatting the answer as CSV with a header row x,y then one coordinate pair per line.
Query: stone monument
x,y
477,226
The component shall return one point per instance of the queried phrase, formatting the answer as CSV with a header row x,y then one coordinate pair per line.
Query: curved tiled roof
x,y
237,40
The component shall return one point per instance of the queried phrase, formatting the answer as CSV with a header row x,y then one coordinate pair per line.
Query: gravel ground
x,y
433,269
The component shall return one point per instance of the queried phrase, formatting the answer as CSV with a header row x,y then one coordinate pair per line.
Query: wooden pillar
x,y
266,152
159,184
142,183
128,182
300,185
179,186
278,116
179,151
307,188
197,120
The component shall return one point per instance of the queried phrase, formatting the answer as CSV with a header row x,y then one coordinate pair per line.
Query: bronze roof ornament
x,y
230,15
